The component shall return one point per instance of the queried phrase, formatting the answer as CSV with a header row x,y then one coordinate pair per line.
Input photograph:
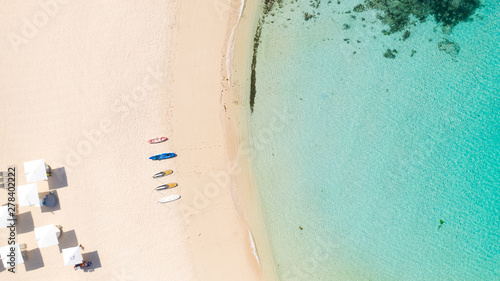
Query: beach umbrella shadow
x,y
24,223
58,178
94,258
67,240
33,260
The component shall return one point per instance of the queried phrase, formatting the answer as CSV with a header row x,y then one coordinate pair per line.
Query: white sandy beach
x,y
84,85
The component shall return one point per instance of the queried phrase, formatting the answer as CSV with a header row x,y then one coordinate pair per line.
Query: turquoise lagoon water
x,y
384,169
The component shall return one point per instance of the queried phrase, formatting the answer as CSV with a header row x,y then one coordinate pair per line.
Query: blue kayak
x,y
163,156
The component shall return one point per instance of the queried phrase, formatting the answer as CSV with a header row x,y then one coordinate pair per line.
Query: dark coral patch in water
x,y
269,4
452,12
449,47
448,12
390,54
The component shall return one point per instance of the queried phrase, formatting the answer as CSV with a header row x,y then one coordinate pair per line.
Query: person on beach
x,y
82,265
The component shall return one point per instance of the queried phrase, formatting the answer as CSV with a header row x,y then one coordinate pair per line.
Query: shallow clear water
x,y
373,153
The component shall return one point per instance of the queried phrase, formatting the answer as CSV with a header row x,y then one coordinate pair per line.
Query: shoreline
x,y
349,101
228,168
236,118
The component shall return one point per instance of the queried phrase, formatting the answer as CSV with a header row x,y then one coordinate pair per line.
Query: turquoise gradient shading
x,y
387,169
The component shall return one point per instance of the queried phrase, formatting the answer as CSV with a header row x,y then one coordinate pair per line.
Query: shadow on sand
x,y
58,178
25,223
67,240
94,258
33,260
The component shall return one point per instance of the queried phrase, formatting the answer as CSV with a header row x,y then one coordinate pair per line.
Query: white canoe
x,y
169,198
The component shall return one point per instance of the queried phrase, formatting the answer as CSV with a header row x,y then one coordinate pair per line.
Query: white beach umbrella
x,y
72,256
46,236
5,218
28,195
9,256
35,170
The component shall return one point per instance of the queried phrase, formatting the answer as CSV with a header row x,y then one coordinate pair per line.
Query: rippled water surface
x,y
383,168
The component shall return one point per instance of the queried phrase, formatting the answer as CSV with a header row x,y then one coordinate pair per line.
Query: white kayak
x,y
169,198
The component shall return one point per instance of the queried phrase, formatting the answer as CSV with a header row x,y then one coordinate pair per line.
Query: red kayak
x,y
157,140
